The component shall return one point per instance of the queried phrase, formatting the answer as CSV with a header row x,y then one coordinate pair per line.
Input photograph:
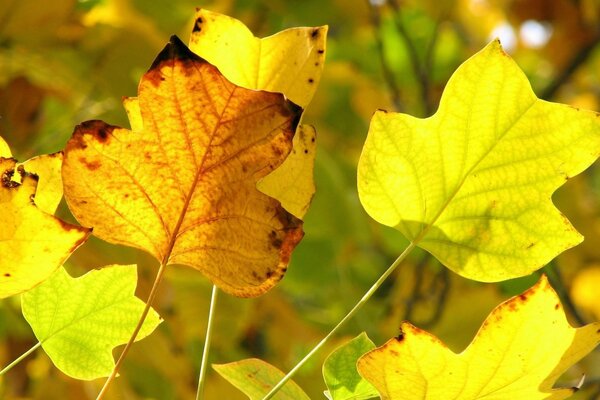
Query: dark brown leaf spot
x,y
556,306
317,64
100,130
320,51
530,245
7,275
305,151
311,80
315,33
269,274
197,25
400,337
523,297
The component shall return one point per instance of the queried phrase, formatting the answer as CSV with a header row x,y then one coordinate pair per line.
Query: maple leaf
x,y
255,377
472,184
33,242
182,184
78,321
522,347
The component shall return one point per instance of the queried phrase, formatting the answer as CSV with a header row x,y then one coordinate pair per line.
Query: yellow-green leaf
x,y
520,351
80,320
33,243
472,184
256,377
292,182
182,184
289,62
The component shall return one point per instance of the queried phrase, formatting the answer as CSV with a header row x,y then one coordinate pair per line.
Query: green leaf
x,y
473,183
80,320
255,378
340,372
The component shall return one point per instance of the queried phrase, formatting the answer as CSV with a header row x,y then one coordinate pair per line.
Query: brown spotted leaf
x,y
520,351
181,184
33,243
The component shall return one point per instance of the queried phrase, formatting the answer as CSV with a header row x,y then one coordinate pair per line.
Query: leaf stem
x,y
348,316
151,296
203,364
20,358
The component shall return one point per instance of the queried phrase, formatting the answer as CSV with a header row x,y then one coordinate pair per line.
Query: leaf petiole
x,y
151,296
204,362
20,358
346,318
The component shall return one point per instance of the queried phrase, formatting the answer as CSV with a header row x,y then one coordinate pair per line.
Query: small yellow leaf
x,y
520,351
473,183
49,189
292,182
4,149
33,243
289,62
182,184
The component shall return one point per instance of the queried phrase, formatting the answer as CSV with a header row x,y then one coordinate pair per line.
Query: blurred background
x,y
67,61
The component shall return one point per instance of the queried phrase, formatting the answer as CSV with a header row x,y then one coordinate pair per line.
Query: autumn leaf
x,y
80,320
33,243
340,373
289,62
255,378
49,190
182,184
520,351
472,184
4,149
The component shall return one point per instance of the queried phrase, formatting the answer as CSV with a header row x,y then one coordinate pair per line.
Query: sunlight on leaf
x,y
33,243
472,184
289,62
520,351
4,149
341,375
256,377
292,182
182,184
80,320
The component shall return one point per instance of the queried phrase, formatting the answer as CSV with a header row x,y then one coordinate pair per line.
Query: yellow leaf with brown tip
x,y
520,351
182,184
288,62
33,243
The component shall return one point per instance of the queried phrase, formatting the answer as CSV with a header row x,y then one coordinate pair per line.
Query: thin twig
x,y
563,76
204,362
388,74
151,297
557,282
20,358
346,318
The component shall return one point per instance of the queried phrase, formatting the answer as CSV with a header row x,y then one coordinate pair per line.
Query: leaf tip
x,y
174,50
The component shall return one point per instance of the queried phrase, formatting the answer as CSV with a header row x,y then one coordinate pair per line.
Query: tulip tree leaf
x,y
182,184
521,349
472,184
80,320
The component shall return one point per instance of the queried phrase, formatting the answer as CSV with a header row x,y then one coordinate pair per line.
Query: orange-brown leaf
x,y
182,184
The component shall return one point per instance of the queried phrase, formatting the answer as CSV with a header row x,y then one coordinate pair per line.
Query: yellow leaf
x,y
182,184
292,182
472,184
4,149
33,243
523,346
289,62
49,189
584,290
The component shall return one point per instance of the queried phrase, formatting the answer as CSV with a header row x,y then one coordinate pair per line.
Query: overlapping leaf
x,y
472,184
256,377
182,184
340,373
523,346
33,243
80,320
